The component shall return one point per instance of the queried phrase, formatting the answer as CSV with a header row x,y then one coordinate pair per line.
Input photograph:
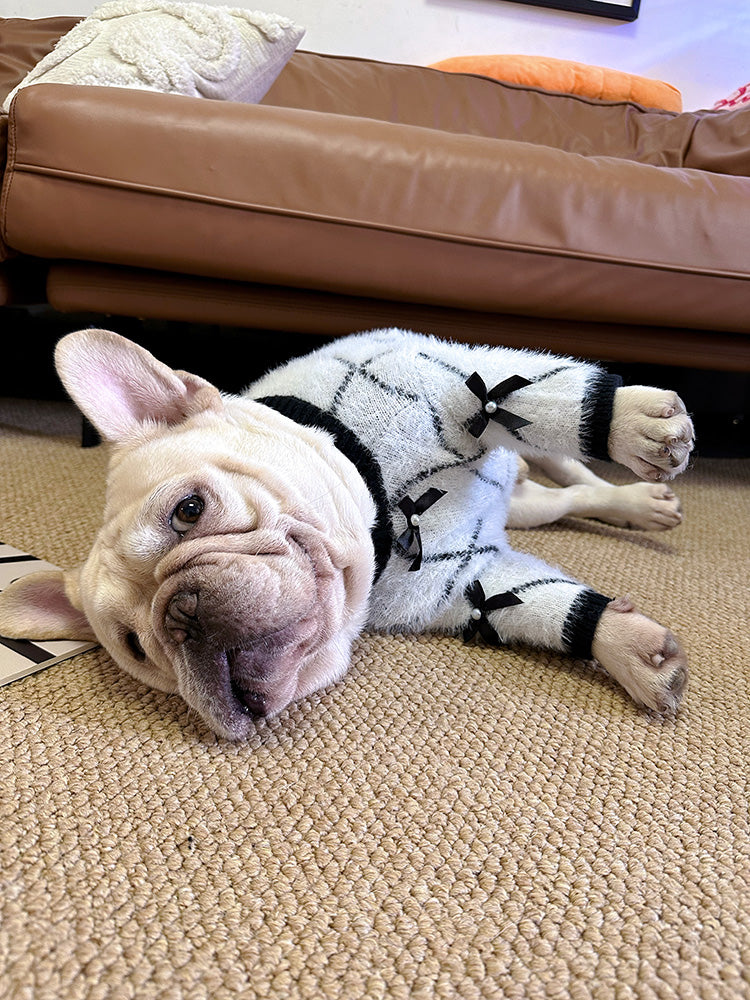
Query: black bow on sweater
x,y
480,605
490,400
412,509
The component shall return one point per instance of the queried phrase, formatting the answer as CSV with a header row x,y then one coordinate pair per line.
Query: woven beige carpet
x,y
449,821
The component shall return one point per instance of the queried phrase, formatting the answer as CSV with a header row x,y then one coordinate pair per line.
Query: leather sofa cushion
x,y
474,105
368,207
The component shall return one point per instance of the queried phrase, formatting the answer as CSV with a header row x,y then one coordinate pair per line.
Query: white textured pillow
x,y
176,48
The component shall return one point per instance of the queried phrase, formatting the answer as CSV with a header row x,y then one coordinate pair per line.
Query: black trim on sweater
x,y
597,415
358,454
581,621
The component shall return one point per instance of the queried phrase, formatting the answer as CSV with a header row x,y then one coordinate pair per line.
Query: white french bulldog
x,y
248,540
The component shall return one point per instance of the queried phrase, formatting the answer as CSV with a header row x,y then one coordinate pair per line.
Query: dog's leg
x,y
532,504
538,404
646,506
567,471
518,598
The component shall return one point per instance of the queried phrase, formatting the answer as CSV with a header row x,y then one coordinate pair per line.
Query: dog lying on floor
x,y
248,540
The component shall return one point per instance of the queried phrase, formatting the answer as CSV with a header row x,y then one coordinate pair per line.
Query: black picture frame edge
x,y
610,10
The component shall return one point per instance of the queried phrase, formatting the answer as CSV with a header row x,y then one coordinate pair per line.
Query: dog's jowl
x,y
247,540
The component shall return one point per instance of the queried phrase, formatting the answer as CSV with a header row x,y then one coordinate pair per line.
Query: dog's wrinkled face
x,y
215,575
234,562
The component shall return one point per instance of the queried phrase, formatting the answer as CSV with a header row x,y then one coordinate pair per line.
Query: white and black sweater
x,y
432,427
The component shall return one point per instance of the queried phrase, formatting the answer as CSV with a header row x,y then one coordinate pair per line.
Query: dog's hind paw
x,y
651,432
645,506
641,655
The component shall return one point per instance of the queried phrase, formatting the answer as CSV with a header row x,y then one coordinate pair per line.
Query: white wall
x,y
701,46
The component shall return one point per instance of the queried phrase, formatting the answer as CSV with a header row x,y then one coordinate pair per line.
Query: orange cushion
x,y
569,77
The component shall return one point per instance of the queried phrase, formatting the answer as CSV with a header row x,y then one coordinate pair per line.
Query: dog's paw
x,y
644,506
641,655
651,432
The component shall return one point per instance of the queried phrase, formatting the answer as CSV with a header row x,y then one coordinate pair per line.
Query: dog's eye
x,y
186,513
134,645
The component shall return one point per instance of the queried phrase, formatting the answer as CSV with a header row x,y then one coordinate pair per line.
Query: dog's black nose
x,y
182,620
252,702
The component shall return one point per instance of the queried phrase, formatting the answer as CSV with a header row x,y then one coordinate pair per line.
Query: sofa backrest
x,y
457,102
477,105
23,42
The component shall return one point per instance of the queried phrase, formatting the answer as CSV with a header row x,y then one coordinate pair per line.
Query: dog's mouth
x,y
242,628
262,678
231,689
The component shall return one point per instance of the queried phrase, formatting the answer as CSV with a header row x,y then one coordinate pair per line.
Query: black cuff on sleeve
x,y
580,625
597,415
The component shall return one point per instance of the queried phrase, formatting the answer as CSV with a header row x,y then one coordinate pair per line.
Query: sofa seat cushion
x,y
365,207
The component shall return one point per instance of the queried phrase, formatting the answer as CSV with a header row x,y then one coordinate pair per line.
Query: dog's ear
x,y
120,386
37,606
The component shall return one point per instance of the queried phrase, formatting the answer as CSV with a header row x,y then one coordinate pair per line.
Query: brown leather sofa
x,y
360,193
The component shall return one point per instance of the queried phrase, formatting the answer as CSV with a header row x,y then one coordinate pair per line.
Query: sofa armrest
x,y
280,195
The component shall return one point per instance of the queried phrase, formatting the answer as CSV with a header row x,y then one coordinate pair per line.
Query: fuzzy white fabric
x,y
225,53
406,399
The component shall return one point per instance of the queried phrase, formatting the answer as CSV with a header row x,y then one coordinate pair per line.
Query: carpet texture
x,y
448,821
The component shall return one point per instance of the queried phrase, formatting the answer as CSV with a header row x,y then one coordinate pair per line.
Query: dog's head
x,y
235,561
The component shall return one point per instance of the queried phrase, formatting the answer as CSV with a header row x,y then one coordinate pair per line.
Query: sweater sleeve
x,y
539,402
524,400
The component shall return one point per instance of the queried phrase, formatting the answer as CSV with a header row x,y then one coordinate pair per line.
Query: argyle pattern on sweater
x,y
443,422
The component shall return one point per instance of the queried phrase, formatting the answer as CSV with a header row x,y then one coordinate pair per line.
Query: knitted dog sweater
x,y
434,428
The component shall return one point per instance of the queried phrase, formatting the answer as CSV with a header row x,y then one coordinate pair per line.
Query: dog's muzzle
x,y
257,665
237,628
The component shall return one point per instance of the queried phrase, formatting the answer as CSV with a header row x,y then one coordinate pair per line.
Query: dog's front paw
x,y
651,432
641,655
